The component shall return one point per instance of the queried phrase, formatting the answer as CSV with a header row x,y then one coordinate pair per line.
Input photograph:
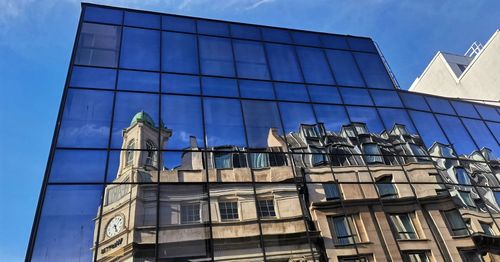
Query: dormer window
x,y
309,131
418,152
130,152
462,176
372,154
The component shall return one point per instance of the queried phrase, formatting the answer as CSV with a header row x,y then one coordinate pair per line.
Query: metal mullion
x,y
158,149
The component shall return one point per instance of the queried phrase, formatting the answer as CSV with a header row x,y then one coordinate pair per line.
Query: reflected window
x,y
228,210
416,257
385,187
344,230
179,53
130,152
331,192
259,160
283,63
462,176
487,229
455,223
404,226
152,155
223,160
353,259
372,154
98,45
140,49
266,208
190,213
471,256
466,198
250,59
418,151
277,159
216,56
318,158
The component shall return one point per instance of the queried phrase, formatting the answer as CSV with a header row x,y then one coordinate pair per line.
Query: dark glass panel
x,y
334,41
314,66
488,112
464,109
223,122
250,59
356,96
180,84
283,63
457,134
428,128
260,120
440,105
392,116
67,223
414,101
373,71
305,38
291,92
90,77
367,115
256,89
295,114
386,98
216,57
140,49
213,28
139,81
344,68
142,20
179,53
245,31
182,115
482,135
78,166
215,86
361,44
103,15
86,119
333,117
276,35
181,24
324,94
127,106
495,129
98,45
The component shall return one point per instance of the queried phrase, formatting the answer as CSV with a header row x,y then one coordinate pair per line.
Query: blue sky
x,y
36,37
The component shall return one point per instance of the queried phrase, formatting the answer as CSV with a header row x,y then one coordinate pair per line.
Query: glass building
x,y
188,139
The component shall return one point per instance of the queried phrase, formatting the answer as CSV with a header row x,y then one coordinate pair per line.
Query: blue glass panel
x,y
324,94
283,63
181,24
386,98
488,112
86,119
142,20
440,105
295,114
276,35
215,86
223,122
216,56
67,223
495,129
457,134
260,118
361,44
103,15
414,101
256,89
344,68
180,84
140,49
179,53
428,128
373,71
113,165
482,135
78,166
137,80
250,59
245,31
392,116
367,115
334,41
356,96
127,105
101,78
333,117
464,109
98,45
291,92
213,28
314,66
182,114
305,38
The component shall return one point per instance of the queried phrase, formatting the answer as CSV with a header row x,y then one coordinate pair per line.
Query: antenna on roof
x,y
474,49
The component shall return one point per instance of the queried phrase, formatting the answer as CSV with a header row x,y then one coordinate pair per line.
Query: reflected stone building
x,y
189,139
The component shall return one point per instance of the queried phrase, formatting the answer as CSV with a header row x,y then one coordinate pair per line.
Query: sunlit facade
x,y
187,139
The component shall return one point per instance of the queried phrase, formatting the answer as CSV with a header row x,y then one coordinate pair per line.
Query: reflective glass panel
x,y
457,134
276,35
140,49
142,20
488,112
333,117
294,115
291,92
262,123
213,28
361,44
440,105
305,38
373,71
78,166
334,41
495,129
414,101
90,77
428,128
481,135
356,96
139,81
344,68
180,84
250,59
179,53
245,31
256,89
98,45
284,66
392,116
103,15
214,86
386,98
181,24
464,109
324,94
223,122
216,56
366,115
314,66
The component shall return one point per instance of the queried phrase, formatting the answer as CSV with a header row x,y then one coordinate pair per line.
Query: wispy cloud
x,y
259,3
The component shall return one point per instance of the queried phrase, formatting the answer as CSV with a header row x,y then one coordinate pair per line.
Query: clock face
x,y
114,226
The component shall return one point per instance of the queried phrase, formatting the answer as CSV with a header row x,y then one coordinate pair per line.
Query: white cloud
x,y
259,3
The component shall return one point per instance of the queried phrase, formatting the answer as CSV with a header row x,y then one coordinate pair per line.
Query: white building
x,y
461,76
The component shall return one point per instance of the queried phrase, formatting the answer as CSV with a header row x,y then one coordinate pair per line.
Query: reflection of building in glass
x,y
188,139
